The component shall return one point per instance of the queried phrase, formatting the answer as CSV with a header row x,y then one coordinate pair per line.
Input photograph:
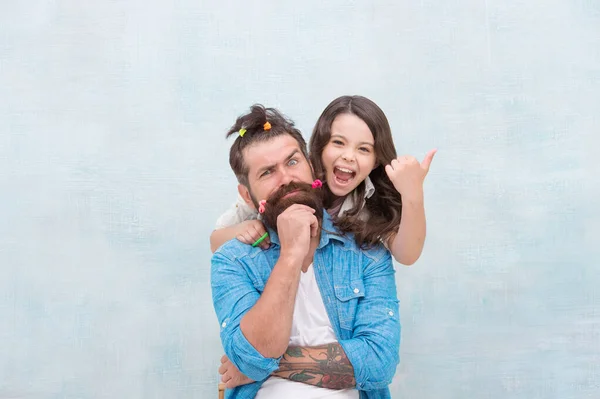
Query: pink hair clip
x,y
317,184
261,206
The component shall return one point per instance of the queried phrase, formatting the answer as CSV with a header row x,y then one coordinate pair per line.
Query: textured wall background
x,y
113,169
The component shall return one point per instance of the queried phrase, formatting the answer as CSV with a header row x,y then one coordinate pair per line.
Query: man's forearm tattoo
x,y
325,366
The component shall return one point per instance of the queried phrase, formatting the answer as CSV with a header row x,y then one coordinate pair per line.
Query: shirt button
x,y
391,313
224,325
356,290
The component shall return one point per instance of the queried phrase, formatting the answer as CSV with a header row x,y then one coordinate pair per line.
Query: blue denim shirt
x,y
358,288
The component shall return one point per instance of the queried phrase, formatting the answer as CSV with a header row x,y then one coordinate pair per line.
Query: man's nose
x,y
286,178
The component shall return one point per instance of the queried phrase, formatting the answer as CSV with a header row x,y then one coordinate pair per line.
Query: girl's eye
x,y
365,149
337,142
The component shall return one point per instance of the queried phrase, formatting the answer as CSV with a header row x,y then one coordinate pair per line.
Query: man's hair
x,y
250,129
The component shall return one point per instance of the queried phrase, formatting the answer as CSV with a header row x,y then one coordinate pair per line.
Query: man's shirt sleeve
x,y
233,296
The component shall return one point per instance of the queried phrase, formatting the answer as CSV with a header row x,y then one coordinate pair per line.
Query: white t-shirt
x,y
236,214
241,211
310,327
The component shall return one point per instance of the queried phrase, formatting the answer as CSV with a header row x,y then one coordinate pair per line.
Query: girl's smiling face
x,y
349,156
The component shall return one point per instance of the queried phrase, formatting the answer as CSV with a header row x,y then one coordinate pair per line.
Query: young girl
x,y
370,192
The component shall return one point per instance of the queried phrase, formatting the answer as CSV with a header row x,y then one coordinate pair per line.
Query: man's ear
x,y
245,194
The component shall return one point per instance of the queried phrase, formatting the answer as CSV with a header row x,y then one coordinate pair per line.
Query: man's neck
x,y
314,243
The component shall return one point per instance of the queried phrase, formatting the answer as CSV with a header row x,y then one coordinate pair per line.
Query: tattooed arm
x,y
324,366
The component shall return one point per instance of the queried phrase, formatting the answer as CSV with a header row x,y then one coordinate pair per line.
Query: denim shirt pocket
x,y
348,295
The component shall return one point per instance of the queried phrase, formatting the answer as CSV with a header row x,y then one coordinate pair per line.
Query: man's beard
x,y
305,195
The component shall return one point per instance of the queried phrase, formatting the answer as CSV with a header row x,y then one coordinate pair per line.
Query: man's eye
x,y
293,162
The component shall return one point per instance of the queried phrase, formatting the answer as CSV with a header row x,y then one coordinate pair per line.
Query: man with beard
x,y
312,315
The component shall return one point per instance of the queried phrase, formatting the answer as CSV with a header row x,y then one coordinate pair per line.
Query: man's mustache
x,y
287,189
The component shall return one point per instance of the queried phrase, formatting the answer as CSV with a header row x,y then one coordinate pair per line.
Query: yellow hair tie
x,y
267,126
242,131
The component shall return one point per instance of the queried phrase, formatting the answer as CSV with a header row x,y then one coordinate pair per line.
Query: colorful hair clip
x,y
242,131
261,206
317,184
267,126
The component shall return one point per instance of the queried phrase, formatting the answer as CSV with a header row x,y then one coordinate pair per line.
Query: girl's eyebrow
x,y
361,143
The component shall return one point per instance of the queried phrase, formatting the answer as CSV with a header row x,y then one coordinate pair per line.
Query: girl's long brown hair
x,y
385,205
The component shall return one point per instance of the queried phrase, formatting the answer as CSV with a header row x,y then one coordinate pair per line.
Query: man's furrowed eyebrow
x,y
263,169
269,167
292,155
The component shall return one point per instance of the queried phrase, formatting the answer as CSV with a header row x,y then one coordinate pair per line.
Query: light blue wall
x,y
113,169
